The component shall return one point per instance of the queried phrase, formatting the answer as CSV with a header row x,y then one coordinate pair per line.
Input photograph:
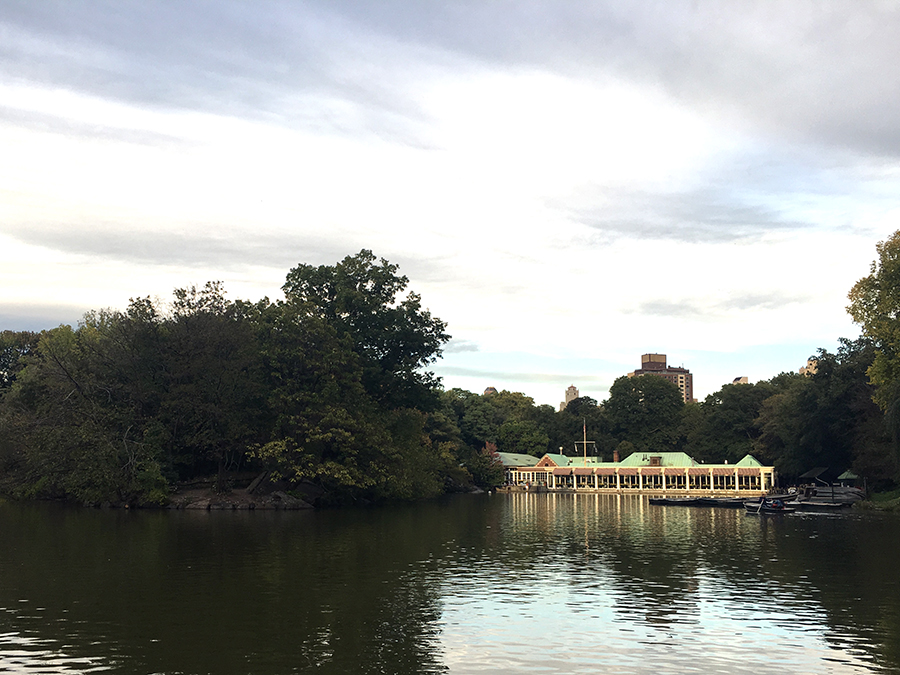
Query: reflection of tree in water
x,y
234,593
847,564
361,591
660,563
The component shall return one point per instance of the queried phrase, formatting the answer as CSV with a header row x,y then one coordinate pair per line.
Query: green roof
x,y
681,459
749,460
515,459
673,459
587,461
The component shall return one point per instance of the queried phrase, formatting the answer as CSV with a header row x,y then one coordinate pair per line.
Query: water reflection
x,y
503,583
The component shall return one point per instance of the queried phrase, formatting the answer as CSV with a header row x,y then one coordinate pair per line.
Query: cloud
x,y
705,309
510,376
293,65
34,317
224,248
459,346
830,75
701,215
36,121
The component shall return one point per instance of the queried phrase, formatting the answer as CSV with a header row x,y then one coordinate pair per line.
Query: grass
x,y
883,501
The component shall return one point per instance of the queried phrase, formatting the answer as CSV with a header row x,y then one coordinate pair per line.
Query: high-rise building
x,y
812,365
571,395
655,364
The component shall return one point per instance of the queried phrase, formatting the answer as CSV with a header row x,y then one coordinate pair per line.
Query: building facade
x,y
655,364
653,473
571,395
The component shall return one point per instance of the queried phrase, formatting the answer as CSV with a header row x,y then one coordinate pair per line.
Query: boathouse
x,y
512,461
654,473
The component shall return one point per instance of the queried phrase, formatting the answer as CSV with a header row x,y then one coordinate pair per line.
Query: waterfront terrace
x,y
652,473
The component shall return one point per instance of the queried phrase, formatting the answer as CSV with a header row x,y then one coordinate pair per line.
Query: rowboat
x,y
767,507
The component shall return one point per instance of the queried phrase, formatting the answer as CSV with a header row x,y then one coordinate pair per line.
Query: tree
x,y
326,429
14,347
875,306
828,419
782,441
645,410
395,338
213,405
486,467
523,437
77,433
728,428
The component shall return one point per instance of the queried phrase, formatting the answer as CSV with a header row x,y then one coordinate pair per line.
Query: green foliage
x,y
523,437
828,419
646,411
14,347
486,468
875,306
393,338
724,425
330,387
76,435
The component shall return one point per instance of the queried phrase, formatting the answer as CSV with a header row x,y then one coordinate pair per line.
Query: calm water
x,y
475,584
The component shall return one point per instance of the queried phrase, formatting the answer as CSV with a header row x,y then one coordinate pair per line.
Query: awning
x,y
628,471
651,470
606,471
583,471
673,471
748,471
562,471
697,471
722,471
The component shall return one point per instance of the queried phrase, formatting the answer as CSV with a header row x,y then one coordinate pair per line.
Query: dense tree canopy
x,y
394,338
327,392
327,388
646,411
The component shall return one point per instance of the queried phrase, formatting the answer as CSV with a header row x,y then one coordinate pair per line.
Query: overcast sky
x,y
567,184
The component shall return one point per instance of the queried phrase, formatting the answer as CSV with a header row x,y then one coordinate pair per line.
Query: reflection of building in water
x,y
644,473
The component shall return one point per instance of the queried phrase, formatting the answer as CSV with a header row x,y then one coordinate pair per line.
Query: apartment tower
x,y
655,364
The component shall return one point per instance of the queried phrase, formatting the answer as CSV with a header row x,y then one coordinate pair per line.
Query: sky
x,y
568,185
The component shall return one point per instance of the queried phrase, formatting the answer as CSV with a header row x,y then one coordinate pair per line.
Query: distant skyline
x,y
567,185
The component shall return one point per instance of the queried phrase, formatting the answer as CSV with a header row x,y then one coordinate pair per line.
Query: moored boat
x,y
767,507
675,501
726,502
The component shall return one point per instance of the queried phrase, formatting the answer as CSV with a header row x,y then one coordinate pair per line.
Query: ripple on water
x,y
23,654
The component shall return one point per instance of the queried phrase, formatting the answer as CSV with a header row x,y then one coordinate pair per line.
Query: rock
x,y
284,501
256,481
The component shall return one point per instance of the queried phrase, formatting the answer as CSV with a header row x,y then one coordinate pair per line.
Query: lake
x,y
521,583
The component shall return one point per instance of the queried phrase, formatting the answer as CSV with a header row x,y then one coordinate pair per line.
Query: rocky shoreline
x,y
235,500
